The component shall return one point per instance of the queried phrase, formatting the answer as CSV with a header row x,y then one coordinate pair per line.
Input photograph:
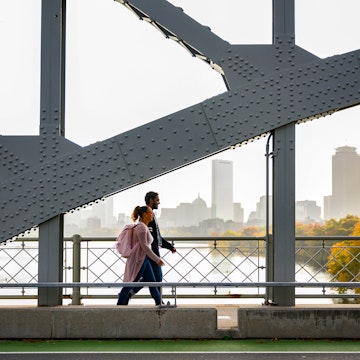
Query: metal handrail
x,y
180,284
217,244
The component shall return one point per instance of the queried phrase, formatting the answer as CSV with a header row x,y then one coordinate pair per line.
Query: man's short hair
x,y
150,195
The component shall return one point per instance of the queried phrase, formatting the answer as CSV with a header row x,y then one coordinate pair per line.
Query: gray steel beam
x,y
71,180
283,21
282,248
52,126
51,263
175,24
52,90
238,64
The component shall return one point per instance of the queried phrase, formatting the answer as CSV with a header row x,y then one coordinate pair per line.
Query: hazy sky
x,y
122,73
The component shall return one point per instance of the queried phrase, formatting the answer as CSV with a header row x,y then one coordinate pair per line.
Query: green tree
x,y
342,227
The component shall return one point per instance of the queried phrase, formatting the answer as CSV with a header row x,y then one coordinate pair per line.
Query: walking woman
x,y
138,265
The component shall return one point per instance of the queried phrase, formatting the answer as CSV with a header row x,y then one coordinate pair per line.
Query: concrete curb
x,y
184,322
79,322
315,322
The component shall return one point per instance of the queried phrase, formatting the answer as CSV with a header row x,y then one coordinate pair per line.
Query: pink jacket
x,y
141,247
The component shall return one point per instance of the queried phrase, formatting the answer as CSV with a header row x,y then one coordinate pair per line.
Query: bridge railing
x,y
216,263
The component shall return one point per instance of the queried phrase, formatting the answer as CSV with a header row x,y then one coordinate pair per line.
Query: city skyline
x,y
100,219
127,91
343,200
248,207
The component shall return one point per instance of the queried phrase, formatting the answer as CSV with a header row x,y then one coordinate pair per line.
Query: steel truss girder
x,y
238,64
272,85
36,193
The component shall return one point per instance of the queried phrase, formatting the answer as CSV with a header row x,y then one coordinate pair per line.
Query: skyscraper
x,y
258,217
307,210
104,210
345,198
222,190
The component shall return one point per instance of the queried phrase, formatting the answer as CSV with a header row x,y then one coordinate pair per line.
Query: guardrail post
x,y
269,268
76,268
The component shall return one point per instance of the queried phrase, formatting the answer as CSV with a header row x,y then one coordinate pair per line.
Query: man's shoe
x,y
167,305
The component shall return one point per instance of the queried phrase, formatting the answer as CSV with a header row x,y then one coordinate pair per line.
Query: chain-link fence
x,y
197,260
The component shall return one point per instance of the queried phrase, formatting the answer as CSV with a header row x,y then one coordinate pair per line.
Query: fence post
x,y
76,268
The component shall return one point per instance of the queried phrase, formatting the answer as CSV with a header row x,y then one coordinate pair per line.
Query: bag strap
x,y
132,232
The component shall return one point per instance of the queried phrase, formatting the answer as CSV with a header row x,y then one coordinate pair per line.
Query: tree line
x,y
341,259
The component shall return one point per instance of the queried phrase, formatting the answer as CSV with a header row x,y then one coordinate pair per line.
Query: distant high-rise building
x,y
222,190
327,207
307,210
93,223
238,213
104,210
99,211
345,198
258,217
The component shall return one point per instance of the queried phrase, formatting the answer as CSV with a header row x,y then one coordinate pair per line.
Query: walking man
x,y
152,200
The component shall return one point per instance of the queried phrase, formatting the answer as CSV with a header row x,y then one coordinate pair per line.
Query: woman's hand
x,y
161,263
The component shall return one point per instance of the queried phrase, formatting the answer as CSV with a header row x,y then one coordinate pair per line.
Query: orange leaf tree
x,y
344,261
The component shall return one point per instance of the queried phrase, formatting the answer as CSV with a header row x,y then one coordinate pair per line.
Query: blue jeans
x,y
146,273
157,271
158,277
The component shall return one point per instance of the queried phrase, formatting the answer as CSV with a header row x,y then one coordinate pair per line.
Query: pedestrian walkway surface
x,y
254,345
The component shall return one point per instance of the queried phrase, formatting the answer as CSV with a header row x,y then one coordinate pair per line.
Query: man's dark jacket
x,y
155,244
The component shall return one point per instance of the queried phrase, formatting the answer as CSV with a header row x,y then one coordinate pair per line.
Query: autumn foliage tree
x,y
343,262
344,258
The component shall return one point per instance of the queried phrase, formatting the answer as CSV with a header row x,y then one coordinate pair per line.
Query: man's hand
x,y
161,263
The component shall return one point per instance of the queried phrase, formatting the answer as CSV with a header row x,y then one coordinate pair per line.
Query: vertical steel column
x,y
51,260
284,214
283,21
76,268
283,247
52,125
